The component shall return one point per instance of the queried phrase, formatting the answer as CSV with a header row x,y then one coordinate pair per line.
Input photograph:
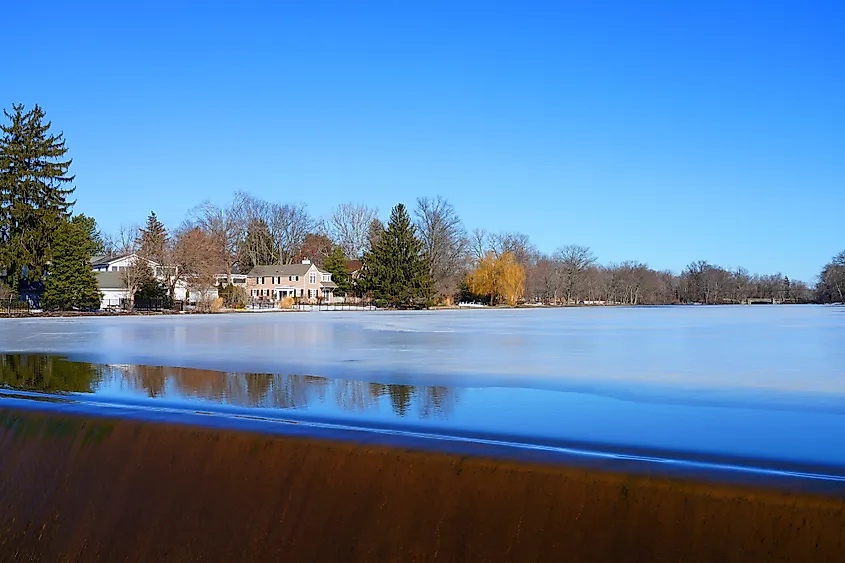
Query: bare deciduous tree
x,y
444,242
198,255
518,244
289,224
349,227
225,226
831,286
479,244
573,261
138,270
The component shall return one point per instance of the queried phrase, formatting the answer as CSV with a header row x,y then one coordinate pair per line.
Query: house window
x,y
259,281
326,277
293,278
114,268
312,278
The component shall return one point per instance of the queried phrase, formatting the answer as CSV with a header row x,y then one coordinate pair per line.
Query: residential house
x,y
113,289
354,268
305,280
118,263
110,270
238,279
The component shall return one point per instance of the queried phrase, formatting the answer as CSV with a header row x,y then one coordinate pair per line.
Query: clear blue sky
x,y
659,131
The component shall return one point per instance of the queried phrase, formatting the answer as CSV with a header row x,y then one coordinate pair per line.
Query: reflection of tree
x,y
437,401
400,398
431,401
34,372
288,391
152,379
354,395
258,386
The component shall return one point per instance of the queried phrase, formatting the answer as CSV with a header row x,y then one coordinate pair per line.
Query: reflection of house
x,y
271,283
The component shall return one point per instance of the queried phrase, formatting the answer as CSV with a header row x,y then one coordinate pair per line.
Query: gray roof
x,y
287,270
110,280
103,260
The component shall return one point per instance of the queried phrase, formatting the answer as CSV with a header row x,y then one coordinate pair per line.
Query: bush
x,y
152,290
286,303
233,296
6,293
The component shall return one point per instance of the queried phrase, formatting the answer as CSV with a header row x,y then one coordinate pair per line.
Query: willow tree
x,y
499,277
34,193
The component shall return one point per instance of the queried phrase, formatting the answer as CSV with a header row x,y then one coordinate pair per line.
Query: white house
x,y
110,278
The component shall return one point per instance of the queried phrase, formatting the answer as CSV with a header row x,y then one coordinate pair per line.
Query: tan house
x,y
306,281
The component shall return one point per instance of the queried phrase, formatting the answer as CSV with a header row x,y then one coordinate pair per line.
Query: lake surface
x,y
762,385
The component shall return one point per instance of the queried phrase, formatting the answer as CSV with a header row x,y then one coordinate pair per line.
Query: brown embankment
x,y
74,489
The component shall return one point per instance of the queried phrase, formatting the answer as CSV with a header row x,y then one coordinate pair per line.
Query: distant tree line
x,y
423,255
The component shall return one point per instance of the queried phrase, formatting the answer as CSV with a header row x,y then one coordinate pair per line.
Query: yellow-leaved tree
x,y
500,277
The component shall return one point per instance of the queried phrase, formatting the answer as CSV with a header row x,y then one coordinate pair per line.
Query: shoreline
x,y
90,488
316,308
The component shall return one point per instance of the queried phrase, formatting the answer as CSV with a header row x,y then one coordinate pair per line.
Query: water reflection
x,y
258,390
49,374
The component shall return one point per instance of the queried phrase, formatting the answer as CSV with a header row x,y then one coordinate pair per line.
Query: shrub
x,y
6,292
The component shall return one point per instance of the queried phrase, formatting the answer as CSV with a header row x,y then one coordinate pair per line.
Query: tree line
x,y
422,255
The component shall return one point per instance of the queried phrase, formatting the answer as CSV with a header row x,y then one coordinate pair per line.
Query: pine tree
x,y
336,265
395,269
70,283
33,201
152,239
98,245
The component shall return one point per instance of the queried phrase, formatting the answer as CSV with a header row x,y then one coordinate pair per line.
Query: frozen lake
x,y
761,382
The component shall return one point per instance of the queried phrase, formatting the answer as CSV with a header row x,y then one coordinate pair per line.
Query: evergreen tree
x,y
151,289
70,283
33,201
336,265
395,269
98,245
152,239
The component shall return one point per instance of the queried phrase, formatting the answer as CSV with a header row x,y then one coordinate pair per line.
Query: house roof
x,y
329,285
110,280
235,272
107,260
353,265
286,270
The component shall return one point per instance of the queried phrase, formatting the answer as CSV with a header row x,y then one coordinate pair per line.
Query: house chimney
x,y
306,261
